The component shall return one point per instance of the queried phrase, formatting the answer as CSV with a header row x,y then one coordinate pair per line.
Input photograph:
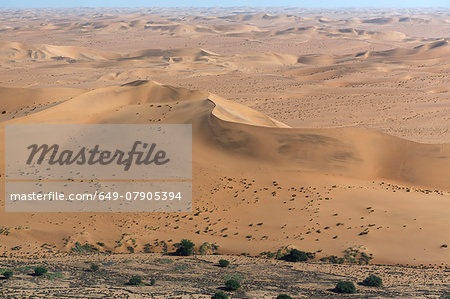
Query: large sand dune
x,y
228,135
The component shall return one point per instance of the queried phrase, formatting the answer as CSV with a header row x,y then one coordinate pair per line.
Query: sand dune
x,y
20,51
176,55
17,102
183,29
227,134
434,50
262,17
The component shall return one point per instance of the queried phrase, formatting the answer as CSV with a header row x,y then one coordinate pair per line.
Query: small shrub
x,y
364,259
297,256
84,248
152,281
345,287
8,274
207,248
333,259
39,271
224,263
135,281
219,295
232,285
373,281
147,248
283,296
94,267
185,248
267,254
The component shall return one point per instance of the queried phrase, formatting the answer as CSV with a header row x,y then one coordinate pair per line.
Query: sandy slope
x,y
241,156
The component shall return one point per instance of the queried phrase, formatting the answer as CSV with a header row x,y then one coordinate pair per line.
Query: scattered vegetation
x,y
373,281
185,248
283,296
354,256
232,284
345,287
298,256
147,248
84,248
24,269
4,230
135,281
39,271
94,267
224,263
8,274
333,259
208,248
351,256
219,295
267,254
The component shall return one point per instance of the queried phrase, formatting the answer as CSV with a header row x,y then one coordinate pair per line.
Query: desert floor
x,y
201,277
322,130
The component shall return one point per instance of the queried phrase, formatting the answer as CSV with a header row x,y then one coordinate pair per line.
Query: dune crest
x,y
227,126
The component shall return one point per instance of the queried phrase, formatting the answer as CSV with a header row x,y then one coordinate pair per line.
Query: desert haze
x,y
321,130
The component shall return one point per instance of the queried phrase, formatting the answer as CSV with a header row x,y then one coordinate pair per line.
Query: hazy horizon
x,y
228,3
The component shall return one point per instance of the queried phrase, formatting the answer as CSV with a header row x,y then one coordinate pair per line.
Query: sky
x,y
223,3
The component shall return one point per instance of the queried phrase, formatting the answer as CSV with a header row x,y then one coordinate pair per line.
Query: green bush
x,y
333,259
373,281
207,248
232,285
219,295
297,256
8,274
185,248
94,267
84,248
152,281
345,287
224,263
135,280
284,296
39,271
